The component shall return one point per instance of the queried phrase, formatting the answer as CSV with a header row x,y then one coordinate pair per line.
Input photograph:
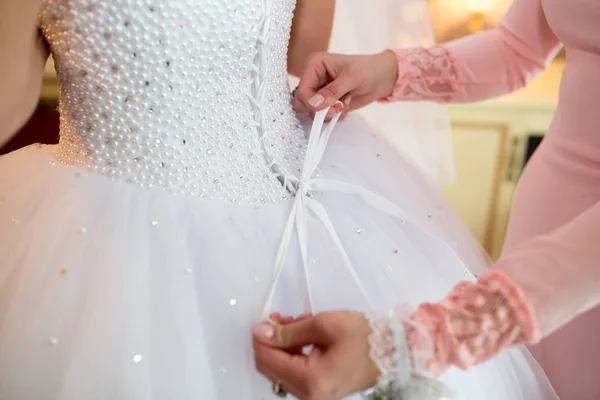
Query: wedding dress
x,y
185,202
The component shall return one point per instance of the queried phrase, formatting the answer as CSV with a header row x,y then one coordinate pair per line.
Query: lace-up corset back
x,y
190,96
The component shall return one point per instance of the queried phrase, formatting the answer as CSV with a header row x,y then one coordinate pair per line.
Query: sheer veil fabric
x,y
419,130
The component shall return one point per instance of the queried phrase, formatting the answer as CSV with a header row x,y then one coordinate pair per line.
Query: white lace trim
x,y
385,355
402,372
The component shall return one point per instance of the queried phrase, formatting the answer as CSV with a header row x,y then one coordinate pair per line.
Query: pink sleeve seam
x,y
512,41
460,79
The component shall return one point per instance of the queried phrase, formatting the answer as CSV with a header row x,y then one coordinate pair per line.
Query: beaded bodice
x,y
190,96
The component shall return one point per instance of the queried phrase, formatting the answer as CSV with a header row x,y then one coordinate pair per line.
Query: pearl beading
x,y
156,93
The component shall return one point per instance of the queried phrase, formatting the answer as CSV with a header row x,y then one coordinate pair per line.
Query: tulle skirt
x,y
113,291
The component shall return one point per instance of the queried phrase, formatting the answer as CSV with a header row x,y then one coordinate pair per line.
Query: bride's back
x,y
189,96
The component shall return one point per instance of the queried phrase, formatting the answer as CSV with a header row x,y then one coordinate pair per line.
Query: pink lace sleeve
x,y
532,291
480,66
473,323
426,74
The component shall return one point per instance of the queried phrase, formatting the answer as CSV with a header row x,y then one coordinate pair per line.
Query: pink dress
x,y
552,248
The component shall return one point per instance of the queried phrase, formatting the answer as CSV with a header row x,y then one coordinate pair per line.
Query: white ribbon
x,y
304,203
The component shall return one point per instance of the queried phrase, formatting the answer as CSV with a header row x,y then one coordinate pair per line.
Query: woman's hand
x,y
338,365
355,80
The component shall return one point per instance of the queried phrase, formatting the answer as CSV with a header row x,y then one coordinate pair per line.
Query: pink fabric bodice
x,y
552,250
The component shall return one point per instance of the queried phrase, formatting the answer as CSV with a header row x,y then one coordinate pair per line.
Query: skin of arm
x,y
311,32
24,54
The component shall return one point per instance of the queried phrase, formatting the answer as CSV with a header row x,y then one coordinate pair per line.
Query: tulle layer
x,y
112,291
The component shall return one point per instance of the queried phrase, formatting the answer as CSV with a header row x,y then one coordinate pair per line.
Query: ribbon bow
x,y
304,203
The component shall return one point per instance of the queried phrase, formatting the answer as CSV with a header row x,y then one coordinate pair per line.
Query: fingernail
x,y
316,100
265,331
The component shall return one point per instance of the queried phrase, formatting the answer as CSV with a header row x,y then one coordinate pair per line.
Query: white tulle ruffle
x,y
110,290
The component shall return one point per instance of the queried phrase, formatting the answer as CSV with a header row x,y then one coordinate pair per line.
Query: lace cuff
x,y
402,375
475,322
472,324
425,74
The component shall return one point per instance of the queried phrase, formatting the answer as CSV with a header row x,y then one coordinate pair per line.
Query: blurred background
x,y
492,140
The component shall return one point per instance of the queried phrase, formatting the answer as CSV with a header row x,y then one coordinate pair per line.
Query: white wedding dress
x,y
184,202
